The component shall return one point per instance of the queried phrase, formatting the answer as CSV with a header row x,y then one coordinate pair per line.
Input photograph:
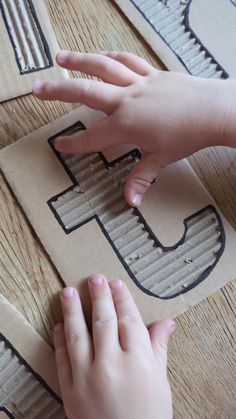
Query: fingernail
x,y
96,280
171,329
116,285
136,200
67,293
104,52
62,56
38,85
58,328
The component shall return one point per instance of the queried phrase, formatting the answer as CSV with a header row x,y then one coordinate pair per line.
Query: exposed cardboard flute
x,y
173,251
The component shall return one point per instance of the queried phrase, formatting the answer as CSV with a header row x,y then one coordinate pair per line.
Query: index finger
x,y
98,65
77,337
95,94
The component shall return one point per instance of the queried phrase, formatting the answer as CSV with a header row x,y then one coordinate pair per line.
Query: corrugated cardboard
x,y
194,36
28,47
28,379
87,227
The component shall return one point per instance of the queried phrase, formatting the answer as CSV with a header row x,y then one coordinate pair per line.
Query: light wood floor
x,y
202,359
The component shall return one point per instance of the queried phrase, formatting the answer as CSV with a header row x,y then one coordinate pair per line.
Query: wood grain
x,y
202,358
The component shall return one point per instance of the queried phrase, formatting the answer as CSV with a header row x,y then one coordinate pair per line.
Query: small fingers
x,y
76,333
105,328
131,61
98,65
97,95
117,318
62,358
133,333
159,334
98,137
140,179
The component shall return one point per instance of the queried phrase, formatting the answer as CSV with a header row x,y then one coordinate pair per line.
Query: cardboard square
x,y
27,46
28,378
172,252
194,36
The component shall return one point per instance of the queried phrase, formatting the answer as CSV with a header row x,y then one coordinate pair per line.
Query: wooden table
x,y
202,361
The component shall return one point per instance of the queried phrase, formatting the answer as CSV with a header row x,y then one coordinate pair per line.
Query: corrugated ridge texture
x,y
168,272
99,192
24,33
167,18
21,393
164,272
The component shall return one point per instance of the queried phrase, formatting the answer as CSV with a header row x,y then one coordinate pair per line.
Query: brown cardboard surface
x,y
194,36
36,176
3,415
23,50
23,353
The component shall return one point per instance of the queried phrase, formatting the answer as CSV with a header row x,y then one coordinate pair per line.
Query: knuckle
x,y
127,120
108,66
128,319
86,87
162,347
69,309
61,358
142,182
50,87
74,336
85,140
101,297
101,321
113,54
58,332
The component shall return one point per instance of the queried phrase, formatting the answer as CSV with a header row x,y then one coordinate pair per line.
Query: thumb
x,y
159,333
97,137
140,179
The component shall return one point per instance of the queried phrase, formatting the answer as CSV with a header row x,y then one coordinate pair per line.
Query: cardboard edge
x,y
164,53
53,71
187,300
27,342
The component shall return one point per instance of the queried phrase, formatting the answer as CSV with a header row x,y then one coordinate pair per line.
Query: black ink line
x,y
42,36
135,154
188,28
30,369
3,409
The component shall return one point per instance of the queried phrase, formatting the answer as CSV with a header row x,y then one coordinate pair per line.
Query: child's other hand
x,y
120,372
167,115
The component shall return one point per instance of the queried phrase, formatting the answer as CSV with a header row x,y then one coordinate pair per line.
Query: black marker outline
x,y
188,29
30,369
43,39
135,154
3,409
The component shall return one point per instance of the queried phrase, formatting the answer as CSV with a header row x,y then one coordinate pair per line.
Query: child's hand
x,y
167,115
119,372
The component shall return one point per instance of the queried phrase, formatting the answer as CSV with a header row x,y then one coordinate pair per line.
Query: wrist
x,y
215,113
228,117
222,121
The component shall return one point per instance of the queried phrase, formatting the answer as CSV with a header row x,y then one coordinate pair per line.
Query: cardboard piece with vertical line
x,y
28,47
192,36
28,387
172,252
